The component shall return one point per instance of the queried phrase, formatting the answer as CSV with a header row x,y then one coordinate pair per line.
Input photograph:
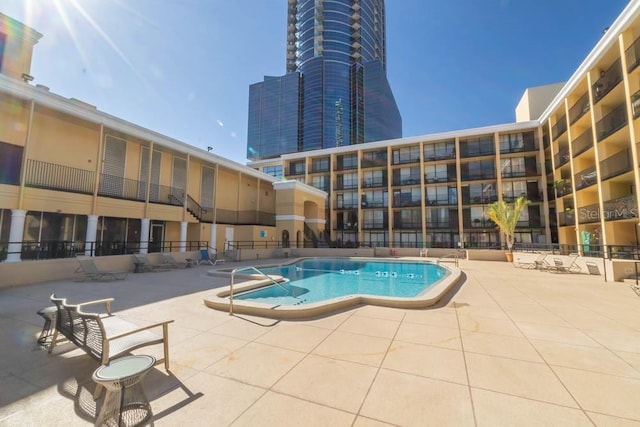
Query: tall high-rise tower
x,y
335,91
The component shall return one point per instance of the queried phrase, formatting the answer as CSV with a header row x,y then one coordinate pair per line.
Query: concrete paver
x,y
508,347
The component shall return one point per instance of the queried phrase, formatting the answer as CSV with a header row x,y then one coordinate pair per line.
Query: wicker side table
x,y
125,403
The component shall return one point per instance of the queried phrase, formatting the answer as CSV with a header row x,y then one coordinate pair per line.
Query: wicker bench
x,y
105,336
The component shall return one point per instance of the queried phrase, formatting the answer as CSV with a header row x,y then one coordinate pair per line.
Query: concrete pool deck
x,y
507,347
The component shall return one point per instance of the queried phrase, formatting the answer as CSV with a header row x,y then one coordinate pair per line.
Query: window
x,y
482,193
297,168
347,200
435,173
374,158
480,169
513,167
408,197
512,143
442,195
375,199
320,165
10,163
347,181
374,179
406,155
321,182
440,150
480,146
275,171
514,189
348,161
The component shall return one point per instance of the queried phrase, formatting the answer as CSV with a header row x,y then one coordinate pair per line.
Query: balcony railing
x,y
582,143
440,154
377,160
545,140
225,216
488,198
346,205
294,171
406,203
616,165
608,80
400,224
562,157
566,218
319,168
580,108
563,187
586,178
635,104
612,122
633,55
344,166
375,225
166,195
405,160
441,202
406,181
467,176
348,226
372,205
52,176
450,225
478,223
621,208
125,188
374,183
560,127
589,214
345,185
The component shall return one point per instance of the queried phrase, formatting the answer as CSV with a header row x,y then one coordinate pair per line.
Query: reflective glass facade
x,y
338,50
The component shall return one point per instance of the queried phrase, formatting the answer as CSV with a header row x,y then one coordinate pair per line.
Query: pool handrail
x,y
233,273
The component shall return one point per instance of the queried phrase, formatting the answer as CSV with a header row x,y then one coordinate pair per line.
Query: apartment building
x,y
74,179
573,151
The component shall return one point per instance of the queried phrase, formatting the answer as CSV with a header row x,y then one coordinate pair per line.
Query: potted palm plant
x,y
506,216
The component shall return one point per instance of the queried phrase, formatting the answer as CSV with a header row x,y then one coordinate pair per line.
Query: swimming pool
x,y
320,279
394,282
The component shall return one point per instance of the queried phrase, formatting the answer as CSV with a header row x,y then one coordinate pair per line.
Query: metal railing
x,y
632,55
586,178
562,157
55,249
609,124
580,108
237,269
52,176
608,80
582,143
616,165
560,127
122,188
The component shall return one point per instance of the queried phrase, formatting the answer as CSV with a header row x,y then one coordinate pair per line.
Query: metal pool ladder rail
x,y
237,269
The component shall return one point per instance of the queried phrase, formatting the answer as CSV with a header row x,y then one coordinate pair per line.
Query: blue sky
x,y
183,67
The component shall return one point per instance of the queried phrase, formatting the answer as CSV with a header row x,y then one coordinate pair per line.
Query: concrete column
x,y
16,233
92,231
183,236
213,236
144,235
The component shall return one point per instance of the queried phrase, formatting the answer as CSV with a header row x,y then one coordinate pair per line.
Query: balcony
x,y
374,160
375,225
589,214
635,104
319,168
165,195
405,181
563,187
372,205
545,140
345,185
582,143
441,202
616,165
633,55
374,183
350,226
131,189
612,122
294,171
560,127
407,203
579,109
562,157
400,224
472,176
586,178
607,81
403,160
478,223
566,218
447,225
475,200
225,216
345,206
621,208
52,176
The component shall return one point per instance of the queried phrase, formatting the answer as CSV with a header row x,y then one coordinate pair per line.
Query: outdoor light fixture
x,y
209,149
27,77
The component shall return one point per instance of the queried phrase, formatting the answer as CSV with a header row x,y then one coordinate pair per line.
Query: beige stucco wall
x,y
535,100
15,119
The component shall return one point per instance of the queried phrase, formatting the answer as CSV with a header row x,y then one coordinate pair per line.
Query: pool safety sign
x,y
263,234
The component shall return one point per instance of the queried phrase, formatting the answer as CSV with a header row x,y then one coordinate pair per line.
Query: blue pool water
x,y
314,280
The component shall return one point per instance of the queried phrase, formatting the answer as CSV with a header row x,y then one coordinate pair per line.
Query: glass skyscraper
x,y
335,91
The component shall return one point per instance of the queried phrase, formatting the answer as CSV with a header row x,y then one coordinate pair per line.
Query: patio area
x,y
506,347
